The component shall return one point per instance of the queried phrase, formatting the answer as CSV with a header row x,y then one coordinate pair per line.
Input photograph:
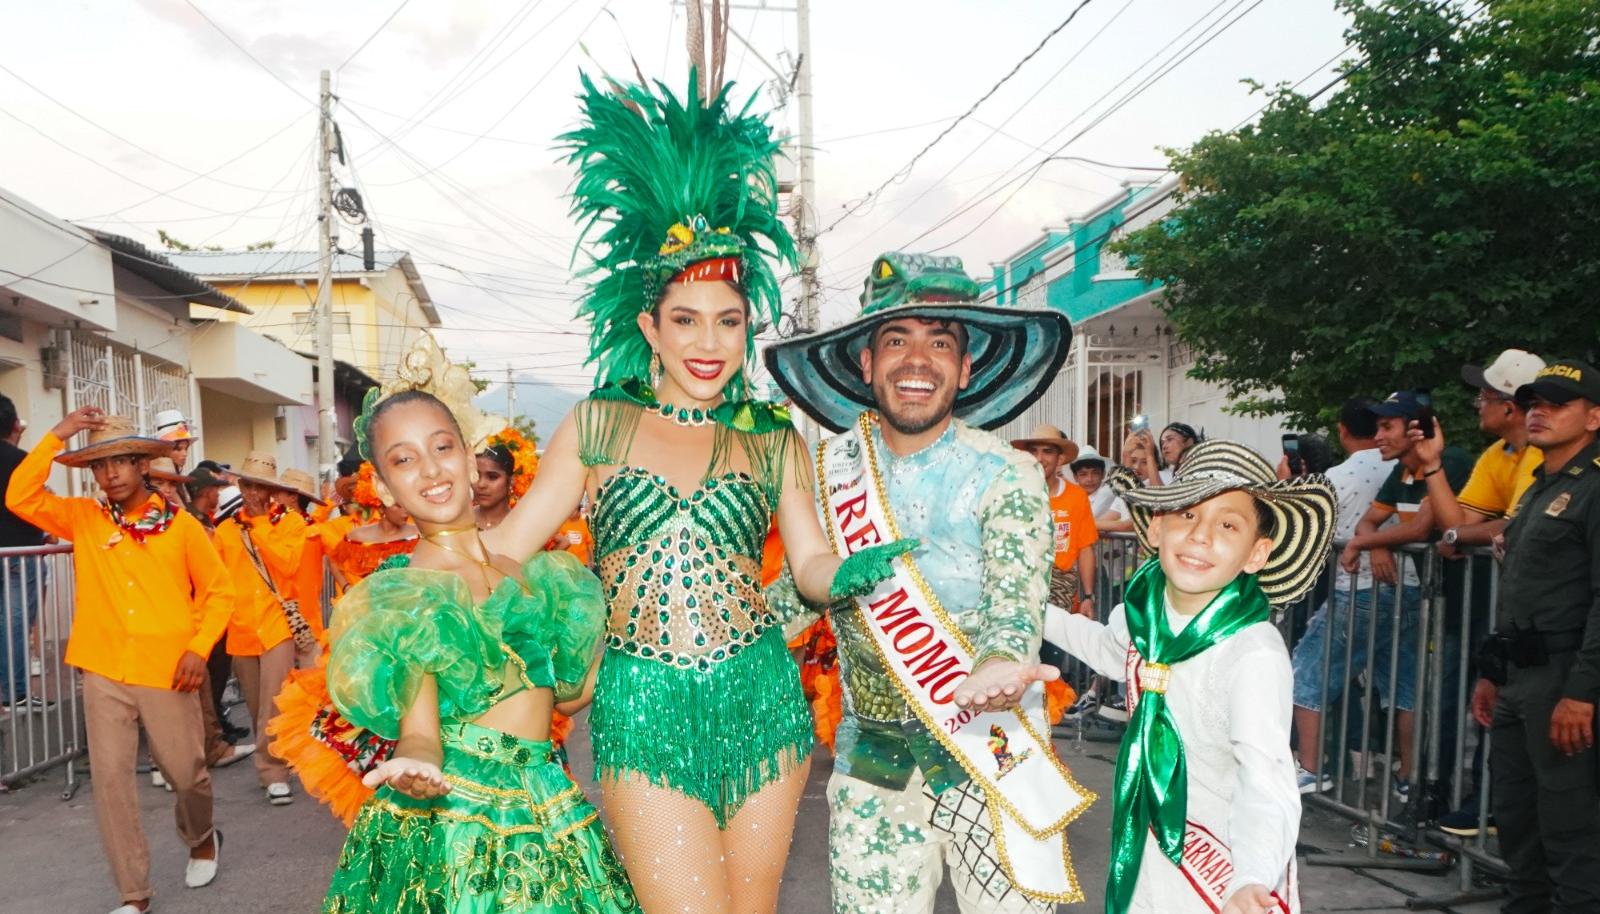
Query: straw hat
x,y
303,483
118,435
1048,434
261,468
164,468
1303,509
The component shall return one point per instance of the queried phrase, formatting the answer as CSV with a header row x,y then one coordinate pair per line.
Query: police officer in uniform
x,y
1542,665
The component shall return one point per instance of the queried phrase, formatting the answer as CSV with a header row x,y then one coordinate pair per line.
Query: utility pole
x,y
806,208
327,446
511,398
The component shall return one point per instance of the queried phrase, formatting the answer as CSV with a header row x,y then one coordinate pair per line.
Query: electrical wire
x,y
905,170
253,58
376,32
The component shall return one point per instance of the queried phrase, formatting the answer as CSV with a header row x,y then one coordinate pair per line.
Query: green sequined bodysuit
x,y
697,691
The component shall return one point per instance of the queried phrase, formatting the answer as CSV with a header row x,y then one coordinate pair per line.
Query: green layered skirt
x,y
718,736
514,835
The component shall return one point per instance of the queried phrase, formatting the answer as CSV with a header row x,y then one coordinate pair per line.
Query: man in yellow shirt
x,y
1505,470
152,599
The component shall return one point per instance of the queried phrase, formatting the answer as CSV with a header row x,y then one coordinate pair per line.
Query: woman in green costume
x,y
461,652
701,734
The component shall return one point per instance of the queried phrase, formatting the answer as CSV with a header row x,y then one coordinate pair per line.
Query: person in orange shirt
x,y
152,597
298,497
1072,573
1072,576
574,536
268,635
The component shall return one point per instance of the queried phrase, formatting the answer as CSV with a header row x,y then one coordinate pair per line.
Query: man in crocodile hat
x,y
943,754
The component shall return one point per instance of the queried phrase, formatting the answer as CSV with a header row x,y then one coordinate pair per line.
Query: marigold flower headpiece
x,y
523,455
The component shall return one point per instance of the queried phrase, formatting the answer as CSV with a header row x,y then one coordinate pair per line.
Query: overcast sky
x,y
449,111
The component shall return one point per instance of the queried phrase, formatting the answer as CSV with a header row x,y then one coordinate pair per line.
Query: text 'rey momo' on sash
x,y
1031,796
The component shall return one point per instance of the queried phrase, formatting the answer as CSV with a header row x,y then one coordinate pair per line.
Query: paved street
x,y
279,859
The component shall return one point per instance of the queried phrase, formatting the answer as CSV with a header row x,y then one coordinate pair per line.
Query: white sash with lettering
x,y
1031,795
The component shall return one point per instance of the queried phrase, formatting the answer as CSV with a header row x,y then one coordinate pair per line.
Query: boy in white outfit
x,y
1206,806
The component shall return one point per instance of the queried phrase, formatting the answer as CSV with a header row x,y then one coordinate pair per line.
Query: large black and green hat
x,y
1303,509
1016,351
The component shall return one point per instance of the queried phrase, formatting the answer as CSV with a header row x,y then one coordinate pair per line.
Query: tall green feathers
x,y
647,162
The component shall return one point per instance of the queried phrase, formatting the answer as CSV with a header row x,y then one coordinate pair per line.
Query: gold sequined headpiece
x,y
425,368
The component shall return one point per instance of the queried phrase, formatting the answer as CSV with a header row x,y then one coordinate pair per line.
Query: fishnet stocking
x,y
756,843
670,845
681,863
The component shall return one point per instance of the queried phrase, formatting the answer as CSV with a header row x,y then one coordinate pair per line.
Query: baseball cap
x,y
1561,381
1404,404
1509,371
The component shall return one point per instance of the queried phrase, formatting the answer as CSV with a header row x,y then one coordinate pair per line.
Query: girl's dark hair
x,y
501,455
655,309
403,397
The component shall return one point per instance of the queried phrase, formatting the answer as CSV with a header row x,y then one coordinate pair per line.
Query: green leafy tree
x,y
1443,204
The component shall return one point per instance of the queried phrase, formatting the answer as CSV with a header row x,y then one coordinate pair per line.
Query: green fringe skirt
x,y
514,835
717,736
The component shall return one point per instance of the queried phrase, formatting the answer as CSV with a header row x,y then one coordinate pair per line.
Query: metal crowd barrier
x,y
41,718
1429,634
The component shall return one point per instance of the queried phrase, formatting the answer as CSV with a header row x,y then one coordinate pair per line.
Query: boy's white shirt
x,y
1233,707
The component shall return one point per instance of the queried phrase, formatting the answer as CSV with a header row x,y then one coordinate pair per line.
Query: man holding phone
x,y
1400,514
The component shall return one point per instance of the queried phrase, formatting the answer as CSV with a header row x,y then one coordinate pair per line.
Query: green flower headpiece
x,y
676,190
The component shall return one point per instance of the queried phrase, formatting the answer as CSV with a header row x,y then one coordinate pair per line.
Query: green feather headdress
x,y
668,184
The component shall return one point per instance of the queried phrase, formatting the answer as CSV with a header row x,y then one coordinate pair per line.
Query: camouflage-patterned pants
x,y
888,849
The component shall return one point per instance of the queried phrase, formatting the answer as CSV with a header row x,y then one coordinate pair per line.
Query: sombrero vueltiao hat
x,y
1049,434
1015,351
261,468
163,468
1303,509
302,483
117,435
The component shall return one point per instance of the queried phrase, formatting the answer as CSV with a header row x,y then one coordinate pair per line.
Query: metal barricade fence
x,y
1367,648
41,720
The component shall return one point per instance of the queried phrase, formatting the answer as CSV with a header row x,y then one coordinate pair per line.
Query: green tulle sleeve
x,y
556,625
398,626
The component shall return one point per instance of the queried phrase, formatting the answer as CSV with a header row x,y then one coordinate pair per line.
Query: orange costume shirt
x,y
258,623
1074,523
140,606
574,537
308,569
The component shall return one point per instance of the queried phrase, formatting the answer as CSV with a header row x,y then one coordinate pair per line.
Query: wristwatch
x,y
1450,536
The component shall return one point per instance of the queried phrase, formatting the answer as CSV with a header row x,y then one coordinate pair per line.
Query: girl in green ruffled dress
x,y
461,654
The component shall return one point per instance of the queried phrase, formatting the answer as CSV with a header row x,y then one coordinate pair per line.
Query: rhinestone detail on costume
x,y
682,574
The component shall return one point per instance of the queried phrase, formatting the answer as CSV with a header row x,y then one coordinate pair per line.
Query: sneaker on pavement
x,y
1081,709
156,780
1463,823
30,704
241,751
130,909
1310,783
199,873
1114,709
278,794
1402,788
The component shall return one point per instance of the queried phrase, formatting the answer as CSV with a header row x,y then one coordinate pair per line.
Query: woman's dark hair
x,y
1186,430
738,288
1316,453
401,398
501,455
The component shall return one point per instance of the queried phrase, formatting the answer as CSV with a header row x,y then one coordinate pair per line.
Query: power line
x,y
379,30
246,52
905,169
115,135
